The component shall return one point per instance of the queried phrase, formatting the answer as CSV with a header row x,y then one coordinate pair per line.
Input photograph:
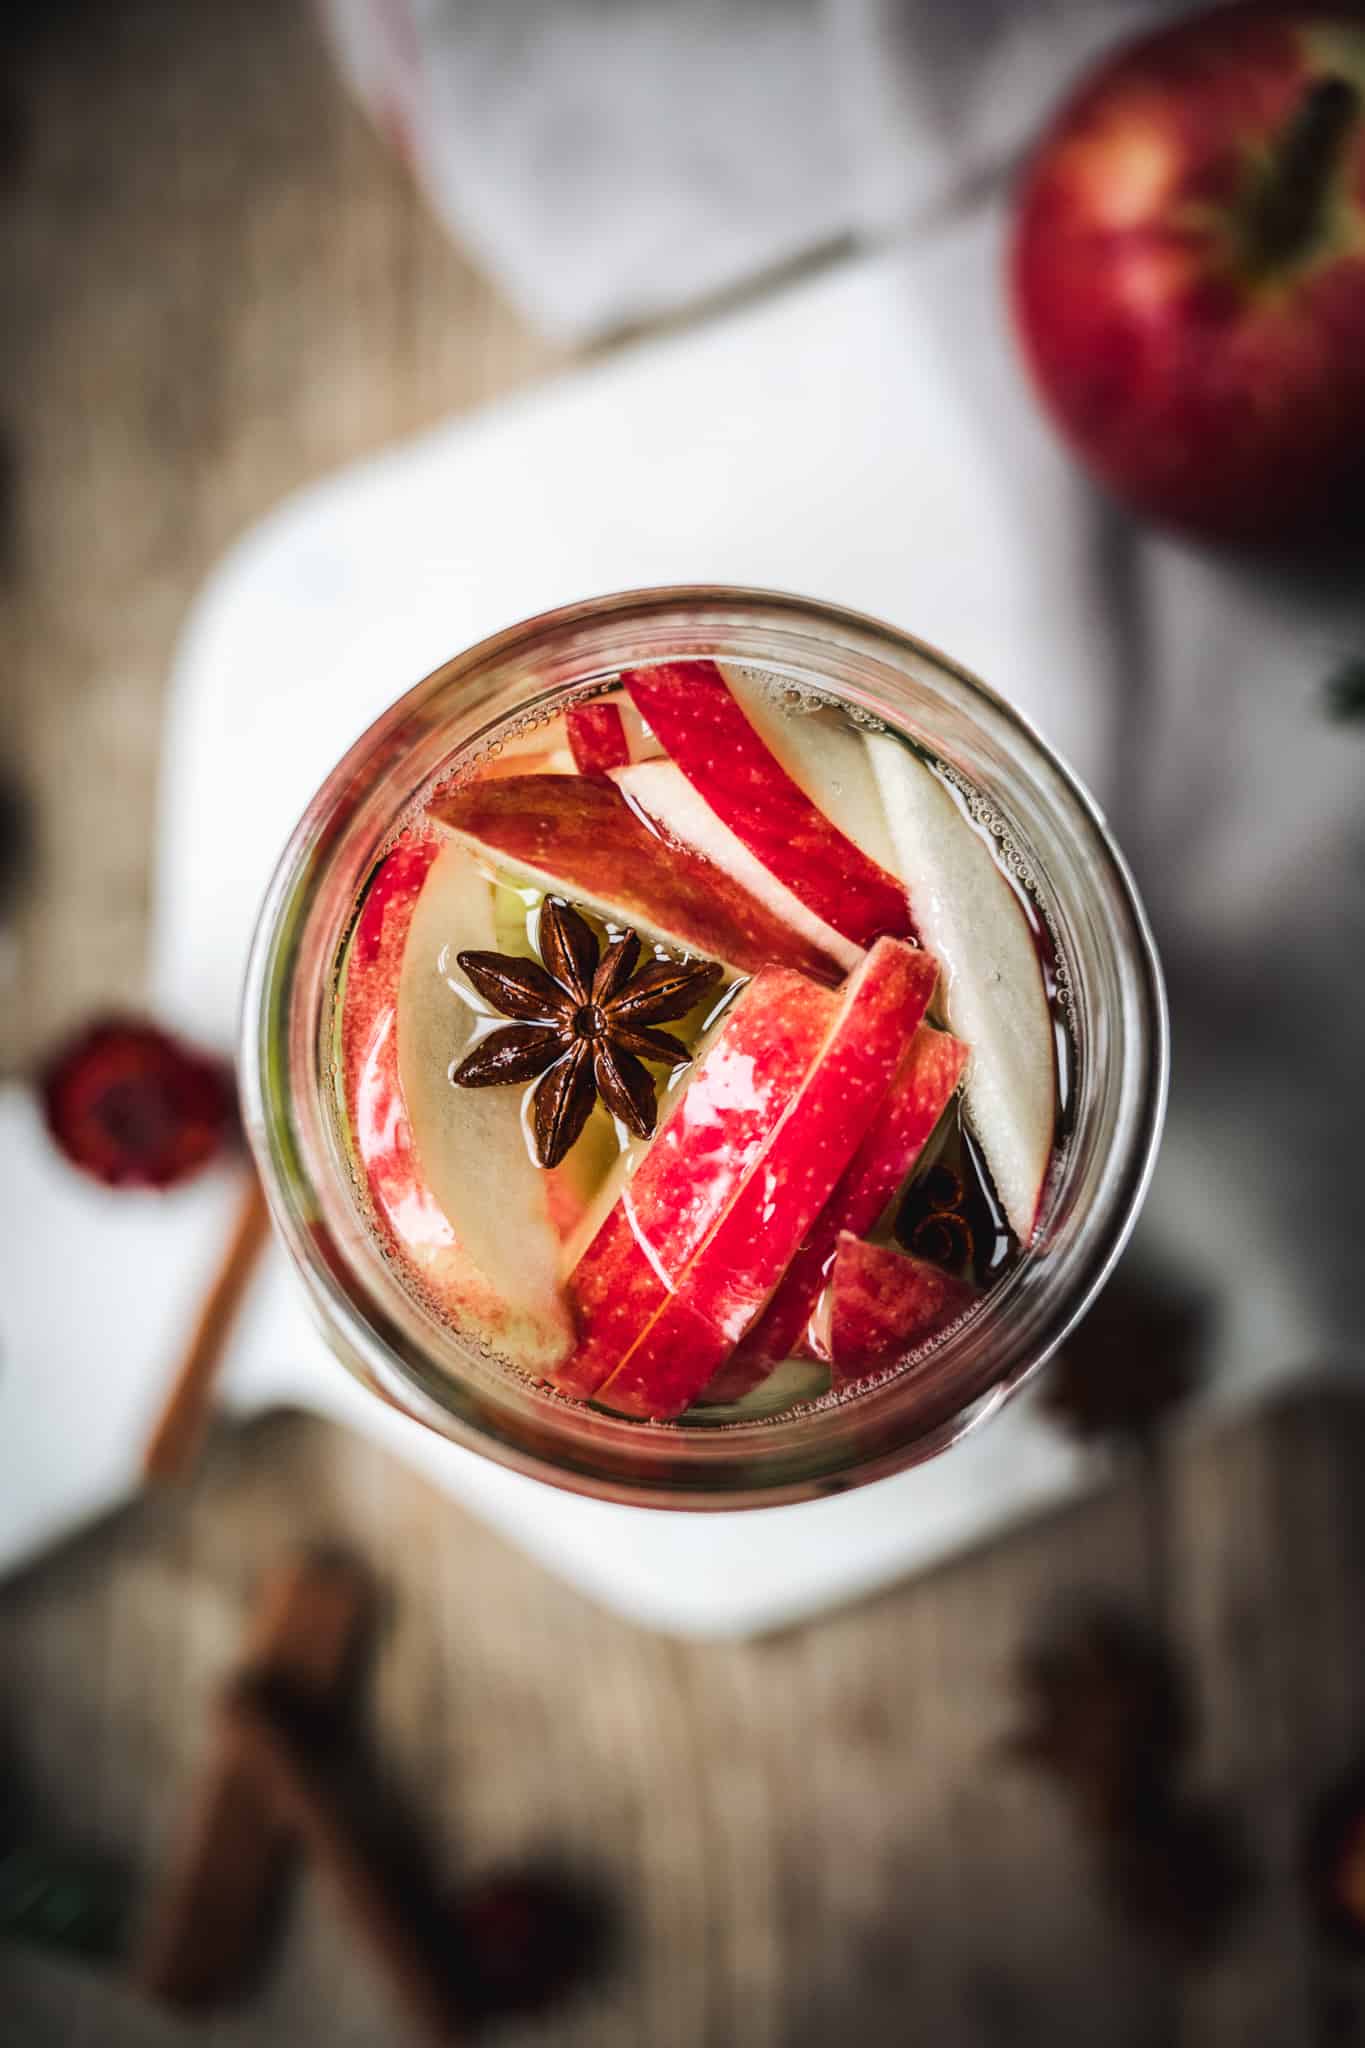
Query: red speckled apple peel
x,y
703,728
919,1094
736,1270
660,792
606,733
531,1326
710,1136
597,737
576,836
884,1304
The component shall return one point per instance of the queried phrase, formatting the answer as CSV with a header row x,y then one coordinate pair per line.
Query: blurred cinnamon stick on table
x,y
179,1429
304,1801
204,1930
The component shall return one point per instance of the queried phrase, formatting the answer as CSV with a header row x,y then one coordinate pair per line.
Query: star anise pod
x,y
584,1025
1109,1717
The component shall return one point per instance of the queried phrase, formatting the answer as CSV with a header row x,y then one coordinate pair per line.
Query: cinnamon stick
x,y
204,1930
303,1799
179,1428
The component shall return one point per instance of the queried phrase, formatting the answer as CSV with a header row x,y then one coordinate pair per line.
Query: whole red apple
x,y
1188,272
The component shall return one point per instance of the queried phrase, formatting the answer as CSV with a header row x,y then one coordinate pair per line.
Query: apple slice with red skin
x,y
736,1270
659,1204
662,792
884,1304
702,726
576,836
597,736
607,733
397,1039
825,755
914,1103
971,917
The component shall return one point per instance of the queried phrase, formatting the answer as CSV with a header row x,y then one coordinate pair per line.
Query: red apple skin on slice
x,y
374,1101
919,1094
713,1131
607,733
735,1272
673,806
703,727
597,736
825,756
404,1204
575,835
885,1304
369,1055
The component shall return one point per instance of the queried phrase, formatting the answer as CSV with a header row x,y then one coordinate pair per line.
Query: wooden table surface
x,y
221,286
810,1839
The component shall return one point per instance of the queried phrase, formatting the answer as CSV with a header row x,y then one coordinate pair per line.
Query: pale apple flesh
x,y
531,1325
825,755
712,1133
661,791
577,837
597,737
912,1110
735,1271
703,728
971,918
884,1304
470,1142
547,761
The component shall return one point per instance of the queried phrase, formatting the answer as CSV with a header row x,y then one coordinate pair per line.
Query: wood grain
x,y
219,286
179,1428
210,1912
374,1911
811,1838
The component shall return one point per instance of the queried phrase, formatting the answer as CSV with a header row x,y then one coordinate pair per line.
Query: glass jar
x,y
1110,984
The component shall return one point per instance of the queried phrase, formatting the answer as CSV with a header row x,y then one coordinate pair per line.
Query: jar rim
x,y
372,1320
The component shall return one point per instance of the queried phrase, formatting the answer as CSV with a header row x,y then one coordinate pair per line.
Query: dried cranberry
x,y
398,878
134,1107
